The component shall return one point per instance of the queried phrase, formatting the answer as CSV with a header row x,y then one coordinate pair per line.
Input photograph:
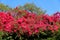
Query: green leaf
x,y
1,33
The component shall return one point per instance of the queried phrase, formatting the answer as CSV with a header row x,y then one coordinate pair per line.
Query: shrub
x,y
29,26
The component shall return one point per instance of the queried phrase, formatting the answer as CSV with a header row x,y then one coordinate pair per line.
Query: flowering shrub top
x,y
29,24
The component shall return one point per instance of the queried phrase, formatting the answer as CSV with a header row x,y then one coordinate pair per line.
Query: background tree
x,y
32,8
28,6
4,7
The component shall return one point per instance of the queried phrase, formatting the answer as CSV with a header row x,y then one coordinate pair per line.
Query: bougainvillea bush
x,y
25,25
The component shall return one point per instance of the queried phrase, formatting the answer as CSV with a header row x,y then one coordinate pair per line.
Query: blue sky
x,y
51,6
